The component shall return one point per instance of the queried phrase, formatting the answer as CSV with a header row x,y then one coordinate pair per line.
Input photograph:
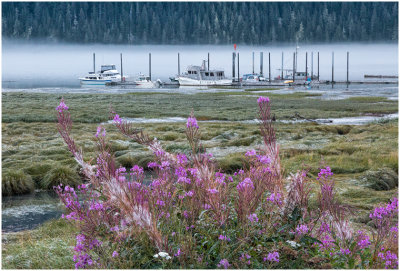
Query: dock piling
x,y
233,65
318,66
312,65
238,68
253,62
269,67
348,68
150,66
179,65
282,68
294,67
122,71
261,63
306,66
208,62
333,64
94,63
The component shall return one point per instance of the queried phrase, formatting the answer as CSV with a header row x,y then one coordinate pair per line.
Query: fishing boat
x,y
145,81
252,77
200,76
94,79
107,75
111,73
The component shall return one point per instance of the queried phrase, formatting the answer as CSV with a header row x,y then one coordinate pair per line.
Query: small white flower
x,y
162,255
293,244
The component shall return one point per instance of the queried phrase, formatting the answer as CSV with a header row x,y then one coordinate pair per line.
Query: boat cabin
x,y
105,68
200,73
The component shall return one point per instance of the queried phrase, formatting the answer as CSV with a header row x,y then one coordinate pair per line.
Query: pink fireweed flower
x,y
62,106
182,159
273,257
207,206
301,229
101,131
224,263
137,170
212,191
264,159
178,253
261,100
115,254
224,238
324,228
192,122
363,240
251,153
324,173
253,218
117,119
246,183
345,251
160,203
275,198
189,194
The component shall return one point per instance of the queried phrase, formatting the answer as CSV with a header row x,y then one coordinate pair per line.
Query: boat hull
x,y
184,81
95,82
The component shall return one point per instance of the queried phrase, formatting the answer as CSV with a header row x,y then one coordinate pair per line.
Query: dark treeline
x,y
200,23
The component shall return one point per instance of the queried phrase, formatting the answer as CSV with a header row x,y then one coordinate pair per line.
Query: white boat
x,y
200,76
94,79
111,73
252,77
145,82
107,75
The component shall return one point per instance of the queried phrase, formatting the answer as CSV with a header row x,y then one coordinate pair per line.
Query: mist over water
x,y
60,65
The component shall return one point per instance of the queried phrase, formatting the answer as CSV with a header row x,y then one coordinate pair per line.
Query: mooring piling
x,y
269,66
208,61
253,62
294,67
333,64
233,65
282,68
261,63
179,65
347,67
312,65
94,63
150,66
318,66
306,66
122,71
238,68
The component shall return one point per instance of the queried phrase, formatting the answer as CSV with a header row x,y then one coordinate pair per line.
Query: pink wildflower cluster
x,y
224,264
188,192
62,106
272,257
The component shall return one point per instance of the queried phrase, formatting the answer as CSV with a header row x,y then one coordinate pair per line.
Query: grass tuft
x,y
16,183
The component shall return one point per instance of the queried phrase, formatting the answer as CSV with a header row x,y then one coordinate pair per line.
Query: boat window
x,y
211,74
190,72
207,74
194,72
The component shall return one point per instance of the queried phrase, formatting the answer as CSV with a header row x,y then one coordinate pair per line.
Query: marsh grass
x,y
60,174
48,247
16,183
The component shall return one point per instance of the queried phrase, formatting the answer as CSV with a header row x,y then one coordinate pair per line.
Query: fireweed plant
x,y
192,215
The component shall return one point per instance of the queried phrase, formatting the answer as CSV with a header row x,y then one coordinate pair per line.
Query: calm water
x,y
36,65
